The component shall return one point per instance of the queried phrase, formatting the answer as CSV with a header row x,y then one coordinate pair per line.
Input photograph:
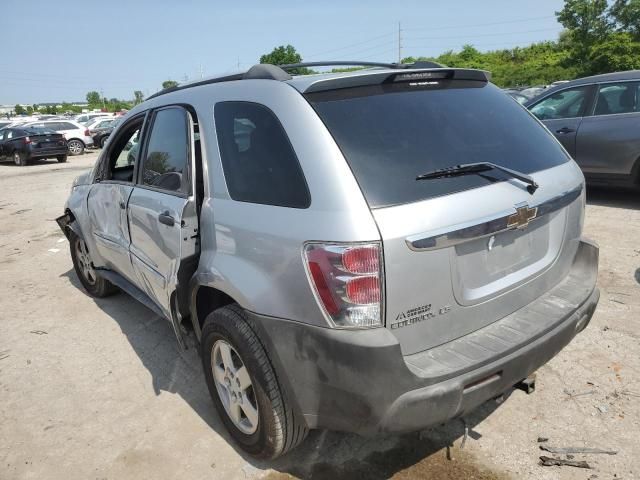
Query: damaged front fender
x,y
68,224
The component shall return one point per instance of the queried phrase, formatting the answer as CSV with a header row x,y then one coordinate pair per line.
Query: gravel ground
x,y
98,388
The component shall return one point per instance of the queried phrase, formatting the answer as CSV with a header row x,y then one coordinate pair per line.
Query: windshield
x,y
391,133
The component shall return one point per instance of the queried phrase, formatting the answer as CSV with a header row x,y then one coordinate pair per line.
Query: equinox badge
x,y
522,217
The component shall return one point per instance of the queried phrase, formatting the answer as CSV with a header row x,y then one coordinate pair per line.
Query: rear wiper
x,y
479,167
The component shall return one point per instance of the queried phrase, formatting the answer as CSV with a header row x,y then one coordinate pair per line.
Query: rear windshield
x,y
391,133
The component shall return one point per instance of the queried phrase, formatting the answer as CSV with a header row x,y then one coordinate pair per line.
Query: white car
x,y
85,117
77,135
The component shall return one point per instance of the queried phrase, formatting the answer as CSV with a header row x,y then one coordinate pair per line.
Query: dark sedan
x,y
597,119
24,145
101,131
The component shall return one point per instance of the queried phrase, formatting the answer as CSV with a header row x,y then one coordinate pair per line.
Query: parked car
x,y
339,268
517,96
597,119
101,130
25,144
78,136
532,92
85,117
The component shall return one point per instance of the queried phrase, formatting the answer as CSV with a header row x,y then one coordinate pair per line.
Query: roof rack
x,y
352,63
279,72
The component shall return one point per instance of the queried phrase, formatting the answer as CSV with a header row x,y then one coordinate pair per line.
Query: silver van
x,y
372,251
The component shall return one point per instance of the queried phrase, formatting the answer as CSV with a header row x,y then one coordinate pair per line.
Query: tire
x,y
95,285
19,159
76,147
103,140
277,429
61,158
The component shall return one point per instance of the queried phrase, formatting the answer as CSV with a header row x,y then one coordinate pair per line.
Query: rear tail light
x,y
27,140
86,133
347,280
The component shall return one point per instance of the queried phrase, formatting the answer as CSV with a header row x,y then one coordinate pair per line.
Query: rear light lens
x,y
27,140
347,281
87,133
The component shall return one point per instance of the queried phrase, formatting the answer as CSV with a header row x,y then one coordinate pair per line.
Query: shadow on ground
x,y
324,455
614,197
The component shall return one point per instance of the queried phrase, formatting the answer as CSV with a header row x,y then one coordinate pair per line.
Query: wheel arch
x,y
204,299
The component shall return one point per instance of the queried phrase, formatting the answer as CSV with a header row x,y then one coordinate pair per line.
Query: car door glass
x,y
166,163
259,163
567,103
124,151
617,98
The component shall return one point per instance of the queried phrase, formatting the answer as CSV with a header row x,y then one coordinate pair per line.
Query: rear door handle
x,y
123,205
166,219
564,130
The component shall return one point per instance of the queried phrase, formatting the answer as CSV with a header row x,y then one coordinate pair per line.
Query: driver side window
x,y
124,152
567,103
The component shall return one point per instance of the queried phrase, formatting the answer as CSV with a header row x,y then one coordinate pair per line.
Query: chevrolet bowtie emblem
x,y
522,217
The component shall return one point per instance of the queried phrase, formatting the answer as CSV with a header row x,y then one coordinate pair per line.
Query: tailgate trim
x,y
500,222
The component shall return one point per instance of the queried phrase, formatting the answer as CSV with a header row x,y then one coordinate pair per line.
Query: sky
x,y
63,49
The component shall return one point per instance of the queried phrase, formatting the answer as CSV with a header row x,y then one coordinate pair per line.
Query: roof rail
x,y
355,63
279,72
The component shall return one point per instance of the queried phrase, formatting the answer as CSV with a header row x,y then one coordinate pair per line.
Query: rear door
x,y
459,252
162,216
108,198
609,140
562,113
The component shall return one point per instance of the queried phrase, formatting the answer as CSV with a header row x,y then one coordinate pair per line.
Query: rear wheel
x,y
103,140
244,387
19,159
76,147
61,158
82,264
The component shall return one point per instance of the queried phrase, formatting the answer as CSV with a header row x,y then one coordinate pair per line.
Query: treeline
x,y
597,38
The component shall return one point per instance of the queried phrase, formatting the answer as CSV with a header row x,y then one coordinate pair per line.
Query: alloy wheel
x,y
75,147
84,262
234,387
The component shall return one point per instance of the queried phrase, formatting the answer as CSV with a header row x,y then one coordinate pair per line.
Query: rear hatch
x,y
44,140
460,252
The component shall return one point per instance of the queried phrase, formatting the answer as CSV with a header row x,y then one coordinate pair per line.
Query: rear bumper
x,y
358,381
53,152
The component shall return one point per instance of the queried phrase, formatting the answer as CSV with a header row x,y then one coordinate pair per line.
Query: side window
x,y
67,126
259,163
617,98
166,164
123,152
564,104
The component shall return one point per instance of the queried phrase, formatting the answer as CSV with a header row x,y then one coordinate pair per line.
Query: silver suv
x,y
379,250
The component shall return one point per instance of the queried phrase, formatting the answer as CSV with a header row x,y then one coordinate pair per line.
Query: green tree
x,y
626,16
93,98
281,55
19,110
588,23
139,97
29,109
169,84
284,55
619,52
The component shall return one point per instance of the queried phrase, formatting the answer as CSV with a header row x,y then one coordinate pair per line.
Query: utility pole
x,y
238,63
201,71
399,43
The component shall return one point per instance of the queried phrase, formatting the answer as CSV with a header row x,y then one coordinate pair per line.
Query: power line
x,y
483,24
476,44
486,34
347,47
